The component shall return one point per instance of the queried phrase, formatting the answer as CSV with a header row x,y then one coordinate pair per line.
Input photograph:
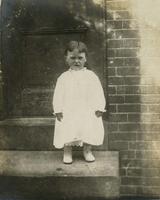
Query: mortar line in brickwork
x,y
123,76
143,159
147,151
131,29
124,122
134,167
131,167
139,123
117,39
124,40
116,9
138,92
157,86
135,132
124,66
111,57
136,176
143,177
143,168
120,67
119,19
122,140
123,95
132,85
139,104
124,48
144,95
115,1
148,132
151,57
147,142
140,112
112,64
119,123
137,186
126,29
119,112
110,10
122,132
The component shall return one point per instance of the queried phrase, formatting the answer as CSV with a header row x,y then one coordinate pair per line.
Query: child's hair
x,y
76,45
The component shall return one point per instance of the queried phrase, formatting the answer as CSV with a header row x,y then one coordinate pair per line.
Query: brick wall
x,y
134,94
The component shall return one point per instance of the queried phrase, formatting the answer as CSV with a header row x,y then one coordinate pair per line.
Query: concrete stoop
x,y
42,175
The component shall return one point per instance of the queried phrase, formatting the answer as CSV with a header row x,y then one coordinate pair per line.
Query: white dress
x,y
78,94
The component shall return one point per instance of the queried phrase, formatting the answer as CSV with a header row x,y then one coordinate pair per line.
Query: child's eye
x,y
73,58
80,58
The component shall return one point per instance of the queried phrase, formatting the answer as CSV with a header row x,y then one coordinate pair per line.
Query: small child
x,y
78,104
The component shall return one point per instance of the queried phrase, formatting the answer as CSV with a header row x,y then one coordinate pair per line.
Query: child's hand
x,y
59,116
99,113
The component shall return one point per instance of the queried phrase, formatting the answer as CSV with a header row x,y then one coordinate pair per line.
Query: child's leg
x,y
67,157
87,152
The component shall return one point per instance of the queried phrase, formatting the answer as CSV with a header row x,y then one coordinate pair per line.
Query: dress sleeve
x,y
99,97
58,96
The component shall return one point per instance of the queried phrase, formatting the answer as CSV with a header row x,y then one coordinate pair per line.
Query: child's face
x,y
75,59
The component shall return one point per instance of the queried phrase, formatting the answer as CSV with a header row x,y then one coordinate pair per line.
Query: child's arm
x,y
58,99
99,97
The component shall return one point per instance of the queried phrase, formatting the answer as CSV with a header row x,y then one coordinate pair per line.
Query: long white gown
x,y
78,94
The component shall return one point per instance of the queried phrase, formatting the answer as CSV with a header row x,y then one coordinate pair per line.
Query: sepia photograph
x,y
79,100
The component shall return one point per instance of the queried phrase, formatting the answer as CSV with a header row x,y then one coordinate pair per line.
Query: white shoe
x,y
67,157
88,155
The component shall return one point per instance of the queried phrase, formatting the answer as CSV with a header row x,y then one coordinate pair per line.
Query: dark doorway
x,y
34,35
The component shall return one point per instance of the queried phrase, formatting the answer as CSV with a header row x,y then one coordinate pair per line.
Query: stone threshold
x,y
49,163
28,121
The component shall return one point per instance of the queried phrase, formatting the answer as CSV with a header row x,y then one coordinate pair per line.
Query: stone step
x,y
37,174
32,134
